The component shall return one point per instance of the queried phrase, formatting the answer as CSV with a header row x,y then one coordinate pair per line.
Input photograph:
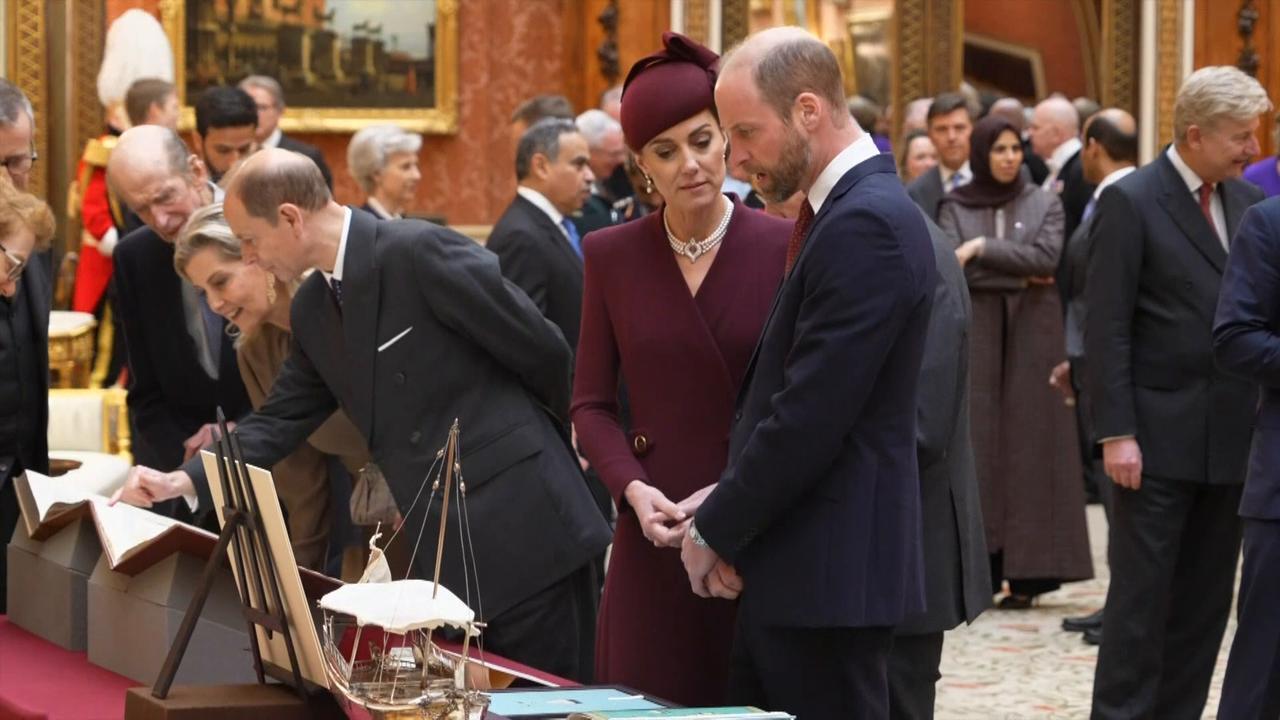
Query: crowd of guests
x,y
825,399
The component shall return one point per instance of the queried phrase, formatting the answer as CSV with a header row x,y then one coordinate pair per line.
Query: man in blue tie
x,y
537,244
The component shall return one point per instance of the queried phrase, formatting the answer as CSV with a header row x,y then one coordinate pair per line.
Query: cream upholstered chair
x,y
88,427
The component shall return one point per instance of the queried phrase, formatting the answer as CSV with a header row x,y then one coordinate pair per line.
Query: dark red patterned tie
x,y
796,243
1206,200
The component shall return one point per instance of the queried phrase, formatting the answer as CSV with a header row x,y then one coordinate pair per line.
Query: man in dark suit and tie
x,y
957,574
819,507
409,326
1247,344
25,296
1174,429
949,127
535,239
182,365
268,96
1110,153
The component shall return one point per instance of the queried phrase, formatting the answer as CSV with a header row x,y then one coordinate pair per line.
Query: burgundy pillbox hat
x,y
667,87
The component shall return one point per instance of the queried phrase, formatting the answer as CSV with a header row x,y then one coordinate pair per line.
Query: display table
x,y
41,681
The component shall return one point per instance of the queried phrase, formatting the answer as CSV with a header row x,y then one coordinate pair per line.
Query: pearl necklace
x,y
694,249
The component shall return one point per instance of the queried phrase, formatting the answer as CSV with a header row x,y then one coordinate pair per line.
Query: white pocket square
x,y
395,339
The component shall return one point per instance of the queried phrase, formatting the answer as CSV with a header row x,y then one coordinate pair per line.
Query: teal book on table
x,y
720,713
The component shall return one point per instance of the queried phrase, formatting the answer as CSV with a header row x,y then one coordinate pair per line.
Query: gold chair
x,y
70,349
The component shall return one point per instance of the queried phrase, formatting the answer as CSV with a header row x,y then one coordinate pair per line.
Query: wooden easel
x,y
260,596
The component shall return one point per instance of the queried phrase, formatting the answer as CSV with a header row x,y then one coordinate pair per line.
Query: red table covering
x,y
41,681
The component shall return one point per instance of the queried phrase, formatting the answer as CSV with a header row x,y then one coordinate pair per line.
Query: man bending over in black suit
x,y
407,326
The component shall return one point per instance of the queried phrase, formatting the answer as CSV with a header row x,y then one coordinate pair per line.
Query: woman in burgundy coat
x,y
673,302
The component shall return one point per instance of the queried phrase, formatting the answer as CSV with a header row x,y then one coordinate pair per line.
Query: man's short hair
x,y
224,107
268,83
263,187
947,103
798,65
543,138
12,102
594,125
1215,92
1120,146
541,107
176,155
142,95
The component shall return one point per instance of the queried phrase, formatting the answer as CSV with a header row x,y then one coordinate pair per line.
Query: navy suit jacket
x,y
1246,342
819,507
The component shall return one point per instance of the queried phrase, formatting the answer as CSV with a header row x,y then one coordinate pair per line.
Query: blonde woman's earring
x,y
648,183
271,289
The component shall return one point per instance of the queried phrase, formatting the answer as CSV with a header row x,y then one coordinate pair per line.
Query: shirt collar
x,y
273,140
342,249
1111,179
380,210
945,172
859,150
541,202
1063,153
218,193
1188,175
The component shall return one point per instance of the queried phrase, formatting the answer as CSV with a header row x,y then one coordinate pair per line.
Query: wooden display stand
x,y
258,583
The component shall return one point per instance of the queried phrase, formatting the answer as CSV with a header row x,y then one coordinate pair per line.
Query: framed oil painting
x,y
344,64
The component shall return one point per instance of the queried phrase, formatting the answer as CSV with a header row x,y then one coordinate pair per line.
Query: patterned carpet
x,y
1020,664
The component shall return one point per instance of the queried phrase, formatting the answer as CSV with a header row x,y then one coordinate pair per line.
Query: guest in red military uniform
x,y
674,303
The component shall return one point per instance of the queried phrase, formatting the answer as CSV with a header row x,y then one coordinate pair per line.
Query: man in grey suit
x,y
1174,429
957,575
950,125
408,326
1110,152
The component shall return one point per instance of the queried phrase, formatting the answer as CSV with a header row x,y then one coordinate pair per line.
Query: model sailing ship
x,y
408,676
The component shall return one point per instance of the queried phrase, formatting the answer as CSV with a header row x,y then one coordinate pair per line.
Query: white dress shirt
x,y
542,203
864,148
1194,182
965,173
1057,159
273,140
342,250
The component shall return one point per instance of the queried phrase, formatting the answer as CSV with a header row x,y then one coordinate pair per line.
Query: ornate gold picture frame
x,y
326,61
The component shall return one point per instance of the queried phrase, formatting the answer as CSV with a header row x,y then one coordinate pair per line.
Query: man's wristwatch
x,y
696,536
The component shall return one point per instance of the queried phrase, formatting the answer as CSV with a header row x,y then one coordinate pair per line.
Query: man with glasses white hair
x,y
269,97
1174,429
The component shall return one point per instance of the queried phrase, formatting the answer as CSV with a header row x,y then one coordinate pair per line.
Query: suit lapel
x,y
1176,200
360,280
553,233
1234,204
879,163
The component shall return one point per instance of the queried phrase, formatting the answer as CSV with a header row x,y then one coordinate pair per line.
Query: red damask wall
x,y
509,50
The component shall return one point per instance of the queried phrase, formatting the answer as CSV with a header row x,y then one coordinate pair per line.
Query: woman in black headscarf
x,y
1008,235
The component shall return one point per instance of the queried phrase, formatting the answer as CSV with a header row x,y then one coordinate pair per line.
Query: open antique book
x,y
132,538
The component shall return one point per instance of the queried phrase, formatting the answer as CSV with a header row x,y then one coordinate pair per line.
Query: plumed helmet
x,y
136,48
